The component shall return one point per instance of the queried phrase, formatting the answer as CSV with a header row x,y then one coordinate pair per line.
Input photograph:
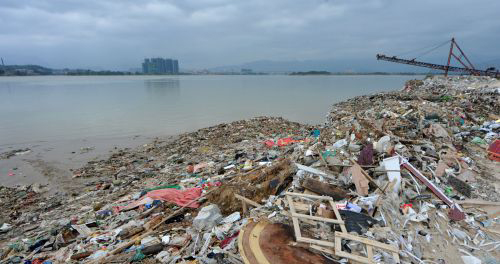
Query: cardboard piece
x,y
360,181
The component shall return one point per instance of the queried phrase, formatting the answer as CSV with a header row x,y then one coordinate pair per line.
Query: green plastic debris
x,y
138,256
170,186
446,98
16,247
448,191
328,153
479,141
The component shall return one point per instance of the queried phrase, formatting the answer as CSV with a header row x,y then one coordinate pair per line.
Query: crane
x,y
467,68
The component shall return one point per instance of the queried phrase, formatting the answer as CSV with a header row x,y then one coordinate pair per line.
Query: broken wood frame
x,y
296,216
370,244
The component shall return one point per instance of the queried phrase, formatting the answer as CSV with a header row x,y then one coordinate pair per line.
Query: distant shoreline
x,y
36,70
233,74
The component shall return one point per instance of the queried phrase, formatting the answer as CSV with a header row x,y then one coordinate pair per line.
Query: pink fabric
x,y
179,197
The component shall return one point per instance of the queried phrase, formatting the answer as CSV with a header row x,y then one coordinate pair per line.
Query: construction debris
x,y
399,177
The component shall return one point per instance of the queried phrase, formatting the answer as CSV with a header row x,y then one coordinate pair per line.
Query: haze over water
x,y
52,108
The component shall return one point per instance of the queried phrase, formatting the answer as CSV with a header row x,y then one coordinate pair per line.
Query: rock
x,y
208,217
153,249
97,206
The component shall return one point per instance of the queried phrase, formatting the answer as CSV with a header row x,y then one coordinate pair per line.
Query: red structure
x,y
467,68
456,213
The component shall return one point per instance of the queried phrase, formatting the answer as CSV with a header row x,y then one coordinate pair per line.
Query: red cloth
x,y
179,197
283,142
228,240
494,150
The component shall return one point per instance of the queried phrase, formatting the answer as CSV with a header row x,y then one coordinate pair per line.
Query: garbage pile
x,y
399,177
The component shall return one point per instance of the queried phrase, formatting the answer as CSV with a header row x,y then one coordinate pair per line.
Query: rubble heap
x,y
399,177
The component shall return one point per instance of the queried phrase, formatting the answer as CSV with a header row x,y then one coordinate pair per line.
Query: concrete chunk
x,y
208,217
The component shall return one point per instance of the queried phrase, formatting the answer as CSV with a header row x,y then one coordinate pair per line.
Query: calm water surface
x,y
49,108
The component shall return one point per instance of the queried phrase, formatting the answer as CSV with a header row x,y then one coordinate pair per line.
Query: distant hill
x,y
26,70
22,70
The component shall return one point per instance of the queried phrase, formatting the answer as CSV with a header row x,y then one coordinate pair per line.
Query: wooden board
x,y
370,244
246,200
310,196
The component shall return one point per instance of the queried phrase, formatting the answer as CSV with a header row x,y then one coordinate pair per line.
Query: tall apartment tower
x,y
160,66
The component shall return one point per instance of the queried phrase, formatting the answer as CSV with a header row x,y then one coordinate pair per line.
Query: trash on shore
x,y
398,177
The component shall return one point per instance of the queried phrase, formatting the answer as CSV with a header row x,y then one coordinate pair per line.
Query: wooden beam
x,y
367,241
246,200
316,241
337,214
317,218
310,196
295,221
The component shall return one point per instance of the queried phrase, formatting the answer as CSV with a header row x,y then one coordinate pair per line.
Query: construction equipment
x,y
467,68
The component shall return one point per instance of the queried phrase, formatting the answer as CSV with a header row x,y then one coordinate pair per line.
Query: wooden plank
x,y
369,248
316,241
295,221
369,252
310,196
317,218
323,249
244,206
478,202
343,254
357,258
246,200
368,241
396,257
338,245
337,214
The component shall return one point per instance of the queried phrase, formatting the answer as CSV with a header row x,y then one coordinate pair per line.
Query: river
x,y
66,121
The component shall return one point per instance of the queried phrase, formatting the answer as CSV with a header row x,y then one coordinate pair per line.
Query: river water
x,y
66,121
48,108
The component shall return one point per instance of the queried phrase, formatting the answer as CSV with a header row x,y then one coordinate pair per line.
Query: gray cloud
x,y
118,34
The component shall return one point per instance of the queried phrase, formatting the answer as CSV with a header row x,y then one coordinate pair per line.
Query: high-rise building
x,y
160,66
175,66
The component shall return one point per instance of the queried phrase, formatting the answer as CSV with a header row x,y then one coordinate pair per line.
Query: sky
x,y
119,34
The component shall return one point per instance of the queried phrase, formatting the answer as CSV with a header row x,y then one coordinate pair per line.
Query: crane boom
x,y
438,66
469,69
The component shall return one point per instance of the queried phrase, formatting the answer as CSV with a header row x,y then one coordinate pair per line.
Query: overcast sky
x,y
118,34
